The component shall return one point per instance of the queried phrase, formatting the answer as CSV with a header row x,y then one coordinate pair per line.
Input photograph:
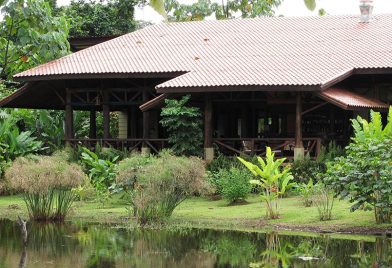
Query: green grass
x,y
201,212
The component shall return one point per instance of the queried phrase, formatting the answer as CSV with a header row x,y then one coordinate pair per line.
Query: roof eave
x,y
201,89
20,78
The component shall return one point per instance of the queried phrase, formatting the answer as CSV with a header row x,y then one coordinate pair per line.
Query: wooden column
x,y
146,124
93,124
69,133
106,114
208,129
299,147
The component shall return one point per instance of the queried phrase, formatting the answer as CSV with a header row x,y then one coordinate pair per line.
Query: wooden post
x,y
146,125
106,114
93,124
69,134
299,151
208,129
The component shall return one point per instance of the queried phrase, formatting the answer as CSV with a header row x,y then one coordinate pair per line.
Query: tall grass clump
x,y
160,183
46,183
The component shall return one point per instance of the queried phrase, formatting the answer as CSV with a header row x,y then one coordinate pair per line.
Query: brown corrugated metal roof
x,y
282,51
349,100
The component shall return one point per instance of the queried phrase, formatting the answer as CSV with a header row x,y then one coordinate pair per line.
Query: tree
x,y
100,18
231,9
364,175
183,125
30,35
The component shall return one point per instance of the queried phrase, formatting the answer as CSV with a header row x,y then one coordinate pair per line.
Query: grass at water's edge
x,y
200,212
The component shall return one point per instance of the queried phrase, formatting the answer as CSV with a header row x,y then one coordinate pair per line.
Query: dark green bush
x,y
183,125
307,169
234,184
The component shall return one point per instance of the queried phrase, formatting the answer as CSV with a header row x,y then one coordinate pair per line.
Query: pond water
x,y
71,245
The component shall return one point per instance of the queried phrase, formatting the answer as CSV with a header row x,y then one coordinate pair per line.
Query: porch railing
x,y
121,144
281,146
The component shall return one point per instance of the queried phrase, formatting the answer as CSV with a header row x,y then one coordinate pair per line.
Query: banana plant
x,y
272,178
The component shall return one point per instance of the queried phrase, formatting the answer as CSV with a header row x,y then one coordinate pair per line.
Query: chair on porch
x,y
248,147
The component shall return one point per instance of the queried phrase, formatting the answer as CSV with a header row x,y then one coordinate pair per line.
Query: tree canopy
x,y
30,35
99,17
231,9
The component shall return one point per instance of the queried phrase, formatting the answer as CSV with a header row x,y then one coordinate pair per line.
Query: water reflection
x,y
70,245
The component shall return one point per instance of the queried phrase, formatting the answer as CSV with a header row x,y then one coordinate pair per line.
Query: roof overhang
x,y
349,100
35,95
155,102
96,76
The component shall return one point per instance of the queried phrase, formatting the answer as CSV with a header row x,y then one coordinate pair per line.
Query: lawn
x,y
201,212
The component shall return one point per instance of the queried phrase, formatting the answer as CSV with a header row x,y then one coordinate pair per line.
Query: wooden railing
x,y
281,146
122,144
251,146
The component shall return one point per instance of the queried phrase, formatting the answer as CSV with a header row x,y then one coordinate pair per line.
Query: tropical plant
x,y
183,125
45,125
272,178
30,35
162,183
306,191
323,199
46,183
100,171
15,143
234,184
364,175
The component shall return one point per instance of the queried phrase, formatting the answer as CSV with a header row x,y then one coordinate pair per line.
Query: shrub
x,y
85,192
272,178
46,183
215,167
234,184
323,199
364,174
101,173
183,125
162,183
307,169
306,191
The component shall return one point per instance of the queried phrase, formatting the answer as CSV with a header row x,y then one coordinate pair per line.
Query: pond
x,y
79,245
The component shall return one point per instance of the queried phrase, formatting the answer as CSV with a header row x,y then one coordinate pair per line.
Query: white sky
x,y
287,8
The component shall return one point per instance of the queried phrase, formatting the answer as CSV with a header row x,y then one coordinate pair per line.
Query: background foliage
x,y
30,34
100,18
183,125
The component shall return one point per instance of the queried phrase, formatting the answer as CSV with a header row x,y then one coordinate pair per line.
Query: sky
x,y
287,8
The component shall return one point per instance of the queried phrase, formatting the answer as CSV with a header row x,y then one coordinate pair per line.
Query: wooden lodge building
x,y
291,83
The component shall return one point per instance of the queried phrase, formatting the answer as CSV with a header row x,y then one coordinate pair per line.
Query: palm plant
x,y
272,178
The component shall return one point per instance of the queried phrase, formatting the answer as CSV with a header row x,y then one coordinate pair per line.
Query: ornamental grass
x,y
46,183
160,183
